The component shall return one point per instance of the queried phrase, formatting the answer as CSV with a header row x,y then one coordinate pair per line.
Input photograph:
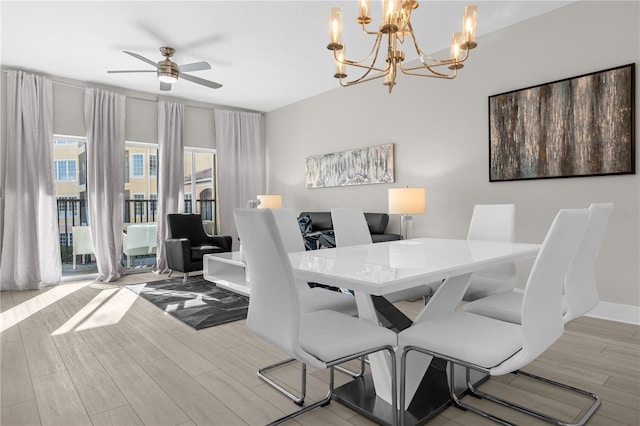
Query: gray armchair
x,y
188,243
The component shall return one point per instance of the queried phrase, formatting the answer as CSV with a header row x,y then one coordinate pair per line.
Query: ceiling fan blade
x,y
198,80
196,66
142,58
165,87
121,71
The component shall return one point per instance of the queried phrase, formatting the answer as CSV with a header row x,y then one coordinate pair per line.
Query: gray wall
x,y
440,131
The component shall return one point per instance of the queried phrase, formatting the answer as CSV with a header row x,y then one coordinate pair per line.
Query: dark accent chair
x,y
188,243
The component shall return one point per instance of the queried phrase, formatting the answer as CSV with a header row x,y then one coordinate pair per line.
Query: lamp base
x,y
406,223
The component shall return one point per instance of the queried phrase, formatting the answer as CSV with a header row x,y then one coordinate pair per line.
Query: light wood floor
x,y
90,353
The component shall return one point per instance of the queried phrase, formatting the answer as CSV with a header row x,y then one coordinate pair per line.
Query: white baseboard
x,y
616,312
612,311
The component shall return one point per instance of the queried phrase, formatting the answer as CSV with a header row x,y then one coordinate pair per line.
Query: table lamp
x,y
406,201
270,201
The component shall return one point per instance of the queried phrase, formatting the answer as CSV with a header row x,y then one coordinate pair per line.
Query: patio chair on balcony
x,y
82,244
139,240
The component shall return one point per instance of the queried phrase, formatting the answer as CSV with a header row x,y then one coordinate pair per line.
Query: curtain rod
x,y
127,96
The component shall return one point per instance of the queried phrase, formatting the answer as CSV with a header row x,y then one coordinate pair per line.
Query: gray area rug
x,y
198,303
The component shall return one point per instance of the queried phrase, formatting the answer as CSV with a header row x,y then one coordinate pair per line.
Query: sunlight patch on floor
x,y
106,308
24,310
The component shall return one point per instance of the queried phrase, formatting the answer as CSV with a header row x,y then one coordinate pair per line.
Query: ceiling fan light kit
x,y
168,71
397,28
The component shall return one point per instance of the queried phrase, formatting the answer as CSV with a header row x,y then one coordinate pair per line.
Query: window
x,y
139,205
66,239
65,170
153,205
126,166
141,170
137,165
153,165
70,174
82,158
67,206
188,208
199,182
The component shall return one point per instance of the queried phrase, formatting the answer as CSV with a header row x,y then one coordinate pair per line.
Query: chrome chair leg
x,y
480,394
550,419
458,403
299,400
327,399
353,373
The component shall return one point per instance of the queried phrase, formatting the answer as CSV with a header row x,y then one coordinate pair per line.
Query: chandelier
x,y
396,26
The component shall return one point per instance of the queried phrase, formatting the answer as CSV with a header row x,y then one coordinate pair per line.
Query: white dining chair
x,y
321,339
311,299
350,228
497,347
316,298
580,289
492,222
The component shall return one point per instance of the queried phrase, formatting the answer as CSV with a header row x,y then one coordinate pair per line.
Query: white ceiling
x,y
267,54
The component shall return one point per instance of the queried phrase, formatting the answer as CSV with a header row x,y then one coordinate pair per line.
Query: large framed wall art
x,y
580,126
362,166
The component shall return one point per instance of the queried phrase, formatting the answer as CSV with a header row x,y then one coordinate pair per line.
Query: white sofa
x,y
139,240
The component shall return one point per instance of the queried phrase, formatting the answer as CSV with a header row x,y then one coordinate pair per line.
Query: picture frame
x,y
361,166
578,126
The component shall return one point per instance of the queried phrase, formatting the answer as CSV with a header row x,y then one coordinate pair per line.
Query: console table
x,y
226,270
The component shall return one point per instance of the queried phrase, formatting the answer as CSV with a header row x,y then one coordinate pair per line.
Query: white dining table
x,y
382,268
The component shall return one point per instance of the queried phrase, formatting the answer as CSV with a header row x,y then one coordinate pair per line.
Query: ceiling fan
x,y
168,71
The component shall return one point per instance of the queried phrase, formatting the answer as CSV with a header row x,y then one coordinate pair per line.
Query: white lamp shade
x,y
407,200
270,201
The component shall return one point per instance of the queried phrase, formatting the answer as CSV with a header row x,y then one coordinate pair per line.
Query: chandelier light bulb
x,y
335,28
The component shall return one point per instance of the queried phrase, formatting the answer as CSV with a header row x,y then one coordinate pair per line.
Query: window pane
x,y
126,166
204,184
138,165
199,184
65,170
139,203
138,207
153,165
70,171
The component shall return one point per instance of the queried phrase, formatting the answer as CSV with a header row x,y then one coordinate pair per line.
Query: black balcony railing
x,y
205,207
136,211
73,212
140,211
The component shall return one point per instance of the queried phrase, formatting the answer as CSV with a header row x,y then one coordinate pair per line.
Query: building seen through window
x,y
140,196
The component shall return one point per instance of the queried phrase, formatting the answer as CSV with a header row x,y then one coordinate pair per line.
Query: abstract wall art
x,y
360,166
580,126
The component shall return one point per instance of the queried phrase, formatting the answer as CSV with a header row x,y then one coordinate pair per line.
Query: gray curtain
x,y
241,164
104,116
31,243
170,172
